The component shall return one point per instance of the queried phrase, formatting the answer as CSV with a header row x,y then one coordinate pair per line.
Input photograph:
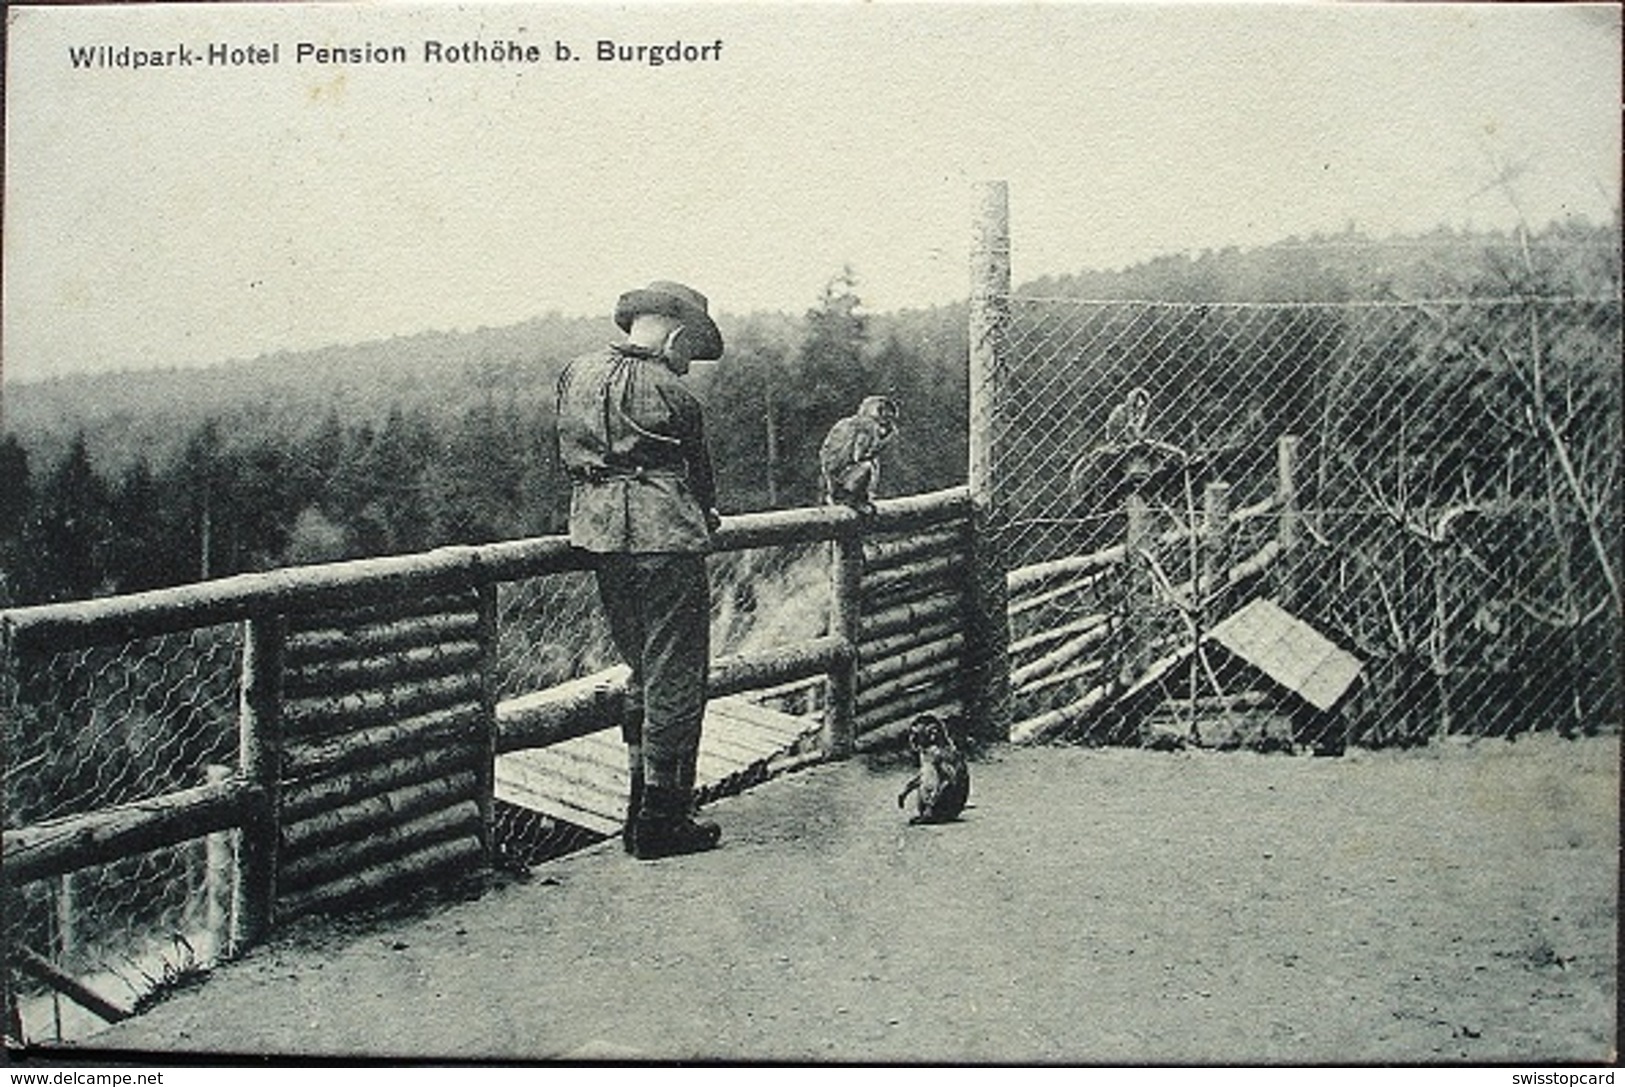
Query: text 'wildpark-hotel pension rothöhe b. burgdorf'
x,y
430,51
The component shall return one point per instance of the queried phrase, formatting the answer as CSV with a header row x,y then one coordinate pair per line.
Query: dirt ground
x,y
1450,904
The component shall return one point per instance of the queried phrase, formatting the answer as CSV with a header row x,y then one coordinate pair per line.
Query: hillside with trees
x,y
123,481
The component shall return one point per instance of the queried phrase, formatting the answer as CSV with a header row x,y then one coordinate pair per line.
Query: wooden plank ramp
x,y
584,781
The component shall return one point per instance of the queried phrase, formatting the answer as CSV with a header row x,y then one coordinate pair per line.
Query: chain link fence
x,y
1453,495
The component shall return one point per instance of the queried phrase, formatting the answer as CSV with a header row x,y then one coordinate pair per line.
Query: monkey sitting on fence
x,y
1128,457
848,459
1126,422
942,784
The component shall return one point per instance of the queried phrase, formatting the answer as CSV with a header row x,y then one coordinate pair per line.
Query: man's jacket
x,y
632,440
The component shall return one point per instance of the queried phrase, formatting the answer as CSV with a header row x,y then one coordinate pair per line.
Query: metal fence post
x,y
988,638
846,591
259,761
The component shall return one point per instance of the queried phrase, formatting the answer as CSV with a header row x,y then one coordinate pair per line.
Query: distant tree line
x,y
125,482
462,453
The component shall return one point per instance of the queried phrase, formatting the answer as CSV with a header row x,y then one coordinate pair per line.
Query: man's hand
x,y
713,521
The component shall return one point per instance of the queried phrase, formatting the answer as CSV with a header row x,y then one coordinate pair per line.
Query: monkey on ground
x,y
942,784
848,459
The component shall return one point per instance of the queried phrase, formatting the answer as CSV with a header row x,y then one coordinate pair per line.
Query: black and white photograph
x,y
850,533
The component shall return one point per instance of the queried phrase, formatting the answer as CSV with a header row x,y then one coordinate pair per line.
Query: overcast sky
x,y
194,214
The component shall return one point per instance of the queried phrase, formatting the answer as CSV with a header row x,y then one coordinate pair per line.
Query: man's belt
x,y
603,474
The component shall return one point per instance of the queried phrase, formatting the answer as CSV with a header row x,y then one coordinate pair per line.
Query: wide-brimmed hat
x,y
674,300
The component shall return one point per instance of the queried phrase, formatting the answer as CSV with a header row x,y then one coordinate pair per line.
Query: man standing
x,y
642,499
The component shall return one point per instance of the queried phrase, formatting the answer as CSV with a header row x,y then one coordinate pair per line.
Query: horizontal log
x,y
930,675
1066,675
790,689
366,814
379,637
516,560
354,617
780,664
413,870
780,528
344,676
321,716
893,734
562,712
1038,575
586,705
1045,725
1026,579
40,968
382,845
884,553
941,701
1061,656
230,599
1033,601
940,569
777,528
303,799
910,592
889,735
461,723
79,841
914,613
883,648
1034,642
361,582
920,511
878,671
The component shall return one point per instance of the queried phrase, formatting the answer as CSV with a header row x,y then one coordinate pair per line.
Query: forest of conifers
x,y
125,481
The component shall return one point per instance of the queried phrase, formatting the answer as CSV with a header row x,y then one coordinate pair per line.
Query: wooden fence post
x,y
988,637
486,774
1286,492
846,591
10,1018
218,863
1215,540
259,761
1137,594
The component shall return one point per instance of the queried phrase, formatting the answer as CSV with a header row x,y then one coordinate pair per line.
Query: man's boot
x,y
687,771
665,828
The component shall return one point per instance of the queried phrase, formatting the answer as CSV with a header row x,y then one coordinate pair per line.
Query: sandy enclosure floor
x,y
1451,904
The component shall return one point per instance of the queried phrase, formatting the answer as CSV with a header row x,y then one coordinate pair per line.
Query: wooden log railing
x,y
368,721
340,792
1068,657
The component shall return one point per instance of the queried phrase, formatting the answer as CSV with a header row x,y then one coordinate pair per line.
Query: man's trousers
x,y
659,611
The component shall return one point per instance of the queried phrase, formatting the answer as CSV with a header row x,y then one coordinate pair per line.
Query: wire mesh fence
x,y
1454,489
552,630
107,726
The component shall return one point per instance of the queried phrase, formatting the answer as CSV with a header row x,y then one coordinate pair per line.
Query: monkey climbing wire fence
x,y
1455,485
